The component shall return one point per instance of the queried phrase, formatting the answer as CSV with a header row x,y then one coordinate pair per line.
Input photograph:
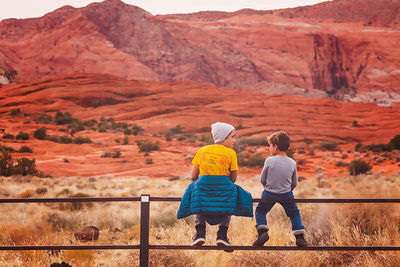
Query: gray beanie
x,y
220,131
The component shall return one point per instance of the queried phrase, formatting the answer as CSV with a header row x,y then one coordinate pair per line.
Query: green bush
x,y
25,167
330,146
307,140
65,139
256,160
109,154
125,140
22,136
6,162
40,133
117,154
355,124
63,118
82,140
373,147
359,167
147,146
8,136
136,130
395,142
258,141
43,119
15,112
73,206
25,149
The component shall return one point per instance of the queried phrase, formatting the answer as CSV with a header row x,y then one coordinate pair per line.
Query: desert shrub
x,y
330,146
147,146
22,136
135,130
355,124
290,153
25,167
395,142
41,190
125,140
73,206
257,141
107,154
242,115
301,150
373,147
6,162
76,126
43,119
82,140
8,136
206,139
116,154
149,161
359,167
256,160
117,140
65,139
301,161
341,163
63,118
26,194
40,133
25,149
307,140
239,127
190,137
15,112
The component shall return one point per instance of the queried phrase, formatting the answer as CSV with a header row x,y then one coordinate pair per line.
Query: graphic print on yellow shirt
x,y
215,160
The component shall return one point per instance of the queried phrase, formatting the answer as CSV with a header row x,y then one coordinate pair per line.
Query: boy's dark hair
x,y
281,139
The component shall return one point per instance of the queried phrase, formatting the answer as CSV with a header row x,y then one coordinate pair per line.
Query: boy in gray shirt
x,y
279,178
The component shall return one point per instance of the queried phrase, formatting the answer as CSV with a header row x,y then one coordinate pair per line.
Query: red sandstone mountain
x,y
345,49
160,106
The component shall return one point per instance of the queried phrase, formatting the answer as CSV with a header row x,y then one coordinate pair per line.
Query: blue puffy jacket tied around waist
x,y
215,197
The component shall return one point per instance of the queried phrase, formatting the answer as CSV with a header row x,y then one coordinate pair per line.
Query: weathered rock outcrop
x,y
294,51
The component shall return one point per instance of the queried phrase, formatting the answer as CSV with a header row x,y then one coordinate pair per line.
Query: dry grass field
x,y
327,224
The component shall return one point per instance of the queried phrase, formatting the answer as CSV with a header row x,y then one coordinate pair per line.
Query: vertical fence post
x,y
144,230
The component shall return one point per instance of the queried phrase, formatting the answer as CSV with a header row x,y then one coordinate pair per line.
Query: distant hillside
x,y
295,51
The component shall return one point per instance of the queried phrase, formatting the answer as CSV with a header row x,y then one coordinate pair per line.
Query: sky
x,y
38,8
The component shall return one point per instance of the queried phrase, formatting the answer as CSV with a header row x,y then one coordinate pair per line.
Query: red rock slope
x,y
159,106
296,51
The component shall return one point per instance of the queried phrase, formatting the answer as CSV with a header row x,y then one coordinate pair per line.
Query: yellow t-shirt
x,y
215,160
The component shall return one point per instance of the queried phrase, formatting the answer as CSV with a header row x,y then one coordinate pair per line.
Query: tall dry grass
x,y
326,224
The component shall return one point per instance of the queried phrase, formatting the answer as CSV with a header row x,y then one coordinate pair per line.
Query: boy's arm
x,y
264,174
233,176
294,178
195,173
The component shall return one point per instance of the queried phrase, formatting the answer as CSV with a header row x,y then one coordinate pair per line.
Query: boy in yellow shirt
x,y
215,160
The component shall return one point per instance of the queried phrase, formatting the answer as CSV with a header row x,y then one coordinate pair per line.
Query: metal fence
x,y
145,246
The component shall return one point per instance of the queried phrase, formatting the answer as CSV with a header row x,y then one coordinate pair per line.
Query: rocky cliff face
x,y
295,51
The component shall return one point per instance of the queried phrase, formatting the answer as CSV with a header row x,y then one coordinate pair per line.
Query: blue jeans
x,y
291,210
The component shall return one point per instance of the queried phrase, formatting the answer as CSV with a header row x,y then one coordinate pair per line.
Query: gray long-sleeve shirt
x,y
279,174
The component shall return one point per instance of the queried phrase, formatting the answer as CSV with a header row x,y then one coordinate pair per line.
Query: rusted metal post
x,y
144,230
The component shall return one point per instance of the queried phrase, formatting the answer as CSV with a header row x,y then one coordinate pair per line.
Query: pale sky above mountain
x,y
38,8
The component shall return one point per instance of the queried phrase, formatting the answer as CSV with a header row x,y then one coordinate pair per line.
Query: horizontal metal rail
x,y
187,247
178,199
